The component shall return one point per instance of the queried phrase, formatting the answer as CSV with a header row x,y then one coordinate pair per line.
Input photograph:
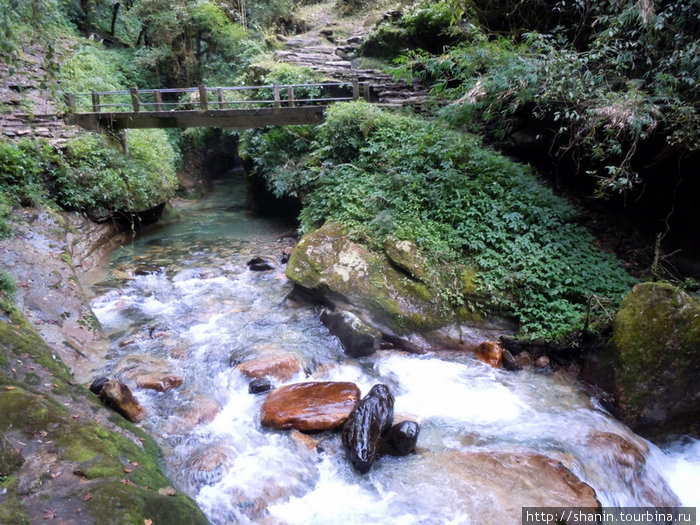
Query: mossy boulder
x,y
655,356
332,266
63,456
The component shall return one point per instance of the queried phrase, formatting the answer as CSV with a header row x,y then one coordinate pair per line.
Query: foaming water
x,y
197,311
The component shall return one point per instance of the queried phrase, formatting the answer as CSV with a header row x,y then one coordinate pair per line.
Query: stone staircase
x,y
335,59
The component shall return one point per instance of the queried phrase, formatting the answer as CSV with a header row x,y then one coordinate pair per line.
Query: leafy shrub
x,y
426,25
385,175
98,178
8,287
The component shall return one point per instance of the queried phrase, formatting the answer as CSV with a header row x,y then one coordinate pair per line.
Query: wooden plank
x,y
365,89
355,89
229,118
276,93
135,99
290,96
95,102
159,100
70,102
220,93
203,102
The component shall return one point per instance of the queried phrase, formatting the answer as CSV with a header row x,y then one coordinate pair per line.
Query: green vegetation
x,y
612,100
389,176
91,176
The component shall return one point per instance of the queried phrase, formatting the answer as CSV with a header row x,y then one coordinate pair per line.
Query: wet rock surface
x,y
401,439
505,483
260,264
365,427
310,406
117,396
281,367
358,339
490,353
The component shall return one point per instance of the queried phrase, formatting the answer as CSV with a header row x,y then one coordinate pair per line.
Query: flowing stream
x,y
181,300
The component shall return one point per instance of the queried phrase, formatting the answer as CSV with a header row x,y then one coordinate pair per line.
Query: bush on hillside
x,y
390,176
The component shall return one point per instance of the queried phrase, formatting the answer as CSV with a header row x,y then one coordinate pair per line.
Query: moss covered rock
x,y
330,264
655,355
391,290
63,456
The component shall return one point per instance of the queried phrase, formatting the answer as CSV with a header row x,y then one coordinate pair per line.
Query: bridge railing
x,y
205,98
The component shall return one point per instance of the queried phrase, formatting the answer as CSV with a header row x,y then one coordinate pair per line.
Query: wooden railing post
x,y
290,96
220,94
203,102
365,90
276,95
355,89
135,99
70,102
159,101
95,103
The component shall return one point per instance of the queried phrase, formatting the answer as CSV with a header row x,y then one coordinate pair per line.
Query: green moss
x,y
118,504
655,351
11,509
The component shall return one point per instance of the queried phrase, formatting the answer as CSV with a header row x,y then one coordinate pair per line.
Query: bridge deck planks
x,y
220,118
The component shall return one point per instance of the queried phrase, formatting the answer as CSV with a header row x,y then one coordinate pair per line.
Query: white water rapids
x,y
204,311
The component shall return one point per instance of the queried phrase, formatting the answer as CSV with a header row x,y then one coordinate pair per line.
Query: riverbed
x,y
181,299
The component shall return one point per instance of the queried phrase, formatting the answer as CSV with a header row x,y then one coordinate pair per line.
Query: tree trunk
x,y
115,14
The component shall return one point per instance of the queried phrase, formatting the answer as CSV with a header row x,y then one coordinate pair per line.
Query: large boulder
x,y
363,431
310,406
389,289
330,264
491,488
654,355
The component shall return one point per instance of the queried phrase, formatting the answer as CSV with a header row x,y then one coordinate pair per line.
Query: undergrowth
x,y
385,175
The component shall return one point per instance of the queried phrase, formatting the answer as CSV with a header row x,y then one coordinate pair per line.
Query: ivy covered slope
x,y
496,240
62,455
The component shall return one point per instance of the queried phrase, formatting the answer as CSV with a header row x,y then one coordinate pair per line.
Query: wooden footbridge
x,y
240,107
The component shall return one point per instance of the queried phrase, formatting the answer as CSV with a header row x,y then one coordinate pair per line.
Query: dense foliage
x,y
91,176
385,175
606,80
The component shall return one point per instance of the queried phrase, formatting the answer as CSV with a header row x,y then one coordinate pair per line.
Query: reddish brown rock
x,y
627,458
494,486
159,382
490,352
118,396
310,406
282,367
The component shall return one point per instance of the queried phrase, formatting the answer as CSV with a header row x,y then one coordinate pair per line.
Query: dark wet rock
x,y
97,385
159,382
310,406
259,264
401,439
117,396
358,339
490,352
146,270
281,367
364,428
259,385
654,357
509,362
